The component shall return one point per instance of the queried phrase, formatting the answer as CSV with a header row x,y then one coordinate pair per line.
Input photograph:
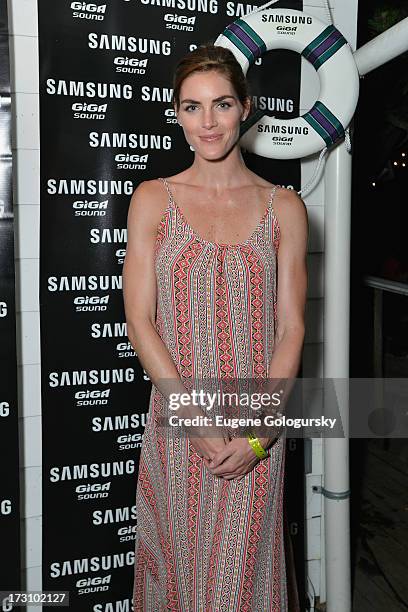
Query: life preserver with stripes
x,y
327,50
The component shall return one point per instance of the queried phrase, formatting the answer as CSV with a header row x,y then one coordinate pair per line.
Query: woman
x,y
203,300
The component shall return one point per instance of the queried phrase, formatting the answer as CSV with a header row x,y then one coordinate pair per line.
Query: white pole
x,y
336,488
383,48
336,366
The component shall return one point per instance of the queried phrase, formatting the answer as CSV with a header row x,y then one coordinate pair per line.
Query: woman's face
x,y
210,113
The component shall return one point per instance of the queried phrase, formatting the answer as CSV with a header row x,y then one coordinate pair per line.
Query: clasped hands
x,y
235,459
228,459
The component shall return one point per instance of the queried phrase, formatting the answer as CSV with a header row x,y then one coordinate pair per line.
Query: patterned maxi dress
x,y
203,543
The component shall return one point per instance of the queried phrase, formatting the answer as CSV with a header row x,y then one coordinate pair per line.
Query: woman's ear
x,y
247,108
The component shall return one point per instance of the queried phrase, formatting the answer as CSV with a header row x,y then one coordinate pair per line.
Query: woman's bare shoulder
x,y
148,189
148,203
291,211
289,208
289,198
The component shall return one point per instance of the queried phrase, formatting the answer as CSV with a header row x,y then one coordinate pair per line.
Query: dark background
x,y
380,212
379,248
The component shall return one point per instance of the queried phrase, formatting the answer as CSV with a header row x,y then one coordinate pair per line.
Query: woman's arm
x,y
139,289
292,287
291,295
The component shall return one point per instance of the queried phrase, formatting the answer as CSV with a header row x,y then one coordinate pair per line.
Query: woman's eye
x,y
192,107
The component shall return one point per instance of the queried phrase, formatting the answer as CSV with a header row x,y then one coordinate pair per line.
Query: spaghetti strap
x,y
273,193
272,198
167,186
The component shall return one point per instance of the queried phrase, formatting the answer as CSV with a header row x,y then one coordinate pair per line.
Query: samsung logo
x,y
92,564
84,378
92,470
196,6
301,19
130,44
88,187
84,283
89,89
119,422
121,140
283,129
114,515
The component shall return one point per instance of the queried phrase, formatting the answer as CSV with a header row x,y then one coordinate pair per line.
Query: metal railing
x,y
381,285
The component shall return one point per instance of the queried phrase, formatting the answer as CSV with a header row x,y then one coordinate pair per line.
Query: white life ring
x,y
327,50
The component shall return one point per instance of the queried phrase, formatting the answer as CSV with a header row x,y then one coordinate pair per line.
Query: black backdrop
x,y
9,464
106,124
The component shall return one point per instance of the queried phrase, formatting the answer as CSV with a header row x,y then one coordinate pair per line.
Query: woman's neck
x,y
218,175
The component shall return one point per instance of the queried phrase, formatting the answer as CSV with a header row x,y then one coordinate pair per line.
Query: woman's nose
x,y
208,119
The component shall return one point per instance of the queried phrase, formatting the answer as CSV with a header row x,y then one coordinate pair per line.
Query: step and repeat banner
x,y
106,124
9,464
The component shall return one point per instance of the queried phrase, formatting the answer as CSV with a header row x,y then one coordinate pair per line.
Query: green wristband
x,y
256,446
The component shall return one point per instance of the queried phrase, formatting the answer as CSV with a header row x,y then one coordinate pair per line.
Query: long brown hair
x,y
211,57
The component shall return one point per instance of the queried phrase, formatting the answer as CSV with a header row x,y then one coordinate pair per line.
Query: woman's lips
x,y
210,138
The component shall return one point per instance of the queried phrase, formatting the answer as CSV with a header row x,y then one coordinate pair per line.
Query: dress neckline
x,y
223,244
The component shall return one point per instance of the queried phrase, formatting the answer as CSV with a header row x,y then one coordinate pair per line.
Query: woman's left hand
x,y
235,460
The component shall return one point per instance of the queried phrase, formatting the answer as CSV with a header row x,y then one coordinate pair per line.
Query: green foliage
x,y
385,17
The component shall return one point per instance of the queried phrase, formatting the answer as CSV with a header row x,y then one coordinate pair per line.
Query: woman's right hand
x,y
207,447
207,439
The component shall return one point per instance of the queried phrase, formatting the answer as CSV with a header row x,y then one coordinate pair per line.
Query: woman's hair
x,y
211,57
